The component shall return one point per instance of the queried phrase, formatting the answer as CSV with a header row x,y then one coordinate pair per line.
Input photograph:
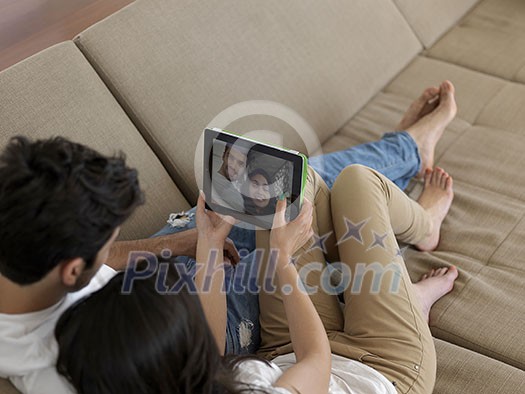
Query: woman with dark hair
x,y
142,342
146,342
258,193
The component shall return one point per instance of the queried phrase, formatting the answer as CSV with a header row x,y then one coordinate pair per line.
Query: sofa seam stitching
x,y
506,237
474,123
130,113
476,345
515,199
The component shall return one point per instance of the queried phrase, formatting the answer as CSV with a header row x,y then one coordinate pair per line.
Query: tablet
x,y
244,178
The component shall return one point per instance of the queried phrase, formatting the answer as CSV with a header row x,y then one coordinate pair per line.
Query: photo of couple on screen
x,y
248,181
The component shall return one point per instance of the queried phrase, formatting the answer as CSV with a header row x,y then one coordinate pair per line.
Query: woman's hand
x,y
289,237
212,227
311,373
212,232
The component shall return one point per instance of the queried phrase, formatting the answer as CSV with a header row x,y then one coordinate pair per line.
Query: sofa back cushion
x,y
57,92
491,40
430,19
175,65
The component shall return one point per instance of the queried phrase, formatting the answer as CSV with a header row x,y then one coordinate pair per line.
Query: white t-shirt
x,y
348,376
28,349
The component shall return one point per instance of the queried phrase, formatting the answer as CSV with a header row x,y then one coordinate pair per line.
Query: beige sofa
x,y
149,78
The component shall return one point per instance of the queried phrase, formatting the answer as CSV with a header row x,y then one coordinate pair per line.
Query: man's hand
x,y
231,252
183,243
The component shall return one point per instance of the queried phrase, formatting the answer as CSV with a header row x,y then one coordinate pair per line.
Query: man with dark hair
x,y
228,180
61,207
233,163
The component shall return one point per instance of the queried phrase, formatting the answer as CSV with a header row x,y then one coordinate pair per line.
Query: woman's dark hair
x,y
142,342
59,200
249,205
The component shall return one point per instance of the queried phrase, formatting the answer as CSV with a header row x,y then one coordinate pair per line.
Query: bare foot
x,y
436,200
423,105
433,286
428,129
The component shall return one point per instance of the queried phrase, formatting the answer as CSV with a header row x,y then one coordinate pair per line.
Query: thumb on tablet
x,y
280,208
201,201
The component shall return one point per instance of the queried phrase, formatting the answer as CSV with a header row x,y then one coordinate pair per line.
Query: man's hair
x,y
245,150
59,200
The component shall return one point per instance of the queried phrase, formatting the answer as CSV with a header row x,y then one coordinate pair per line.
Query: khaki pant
x,y
381,323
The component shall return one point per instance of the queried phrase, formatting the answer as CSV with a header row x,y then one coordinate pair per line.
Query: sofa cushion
x,y
461,371
483,233
7,388
430,19
473,92
490,39
57,92
175,65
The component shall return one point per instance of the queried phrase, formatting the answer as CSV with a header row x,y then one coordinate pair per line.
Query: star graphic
x,y
401,252
294,260
320,242
353,231
379,240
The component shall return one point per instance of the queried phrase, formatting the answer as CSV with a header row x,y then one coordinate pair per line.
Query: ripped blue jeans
x,y
242,327
395,155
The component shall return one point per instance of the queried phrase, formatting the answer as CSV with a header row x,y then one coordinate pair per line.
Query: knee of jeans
x,y
356,175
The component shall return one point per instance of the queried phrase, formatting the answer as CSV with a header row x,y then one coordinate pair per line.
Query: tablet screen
x,y
246,178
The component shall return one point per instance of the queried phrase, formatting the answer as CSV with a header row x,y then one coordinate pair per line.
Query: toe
x,y
446,95
446,87
430,93
439,180
453,271
428,176
449,184
443,183
449,87
436,176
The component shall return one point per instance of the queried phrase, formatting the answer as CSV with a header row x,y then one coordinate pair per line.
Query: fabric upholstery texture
x,y
463,371
483,233
431,19
175,65
350,72
491,39
7,388
57,92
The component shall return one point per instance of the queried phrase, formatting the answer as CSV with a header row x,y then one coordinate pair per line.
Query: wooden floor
x,y
28,26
